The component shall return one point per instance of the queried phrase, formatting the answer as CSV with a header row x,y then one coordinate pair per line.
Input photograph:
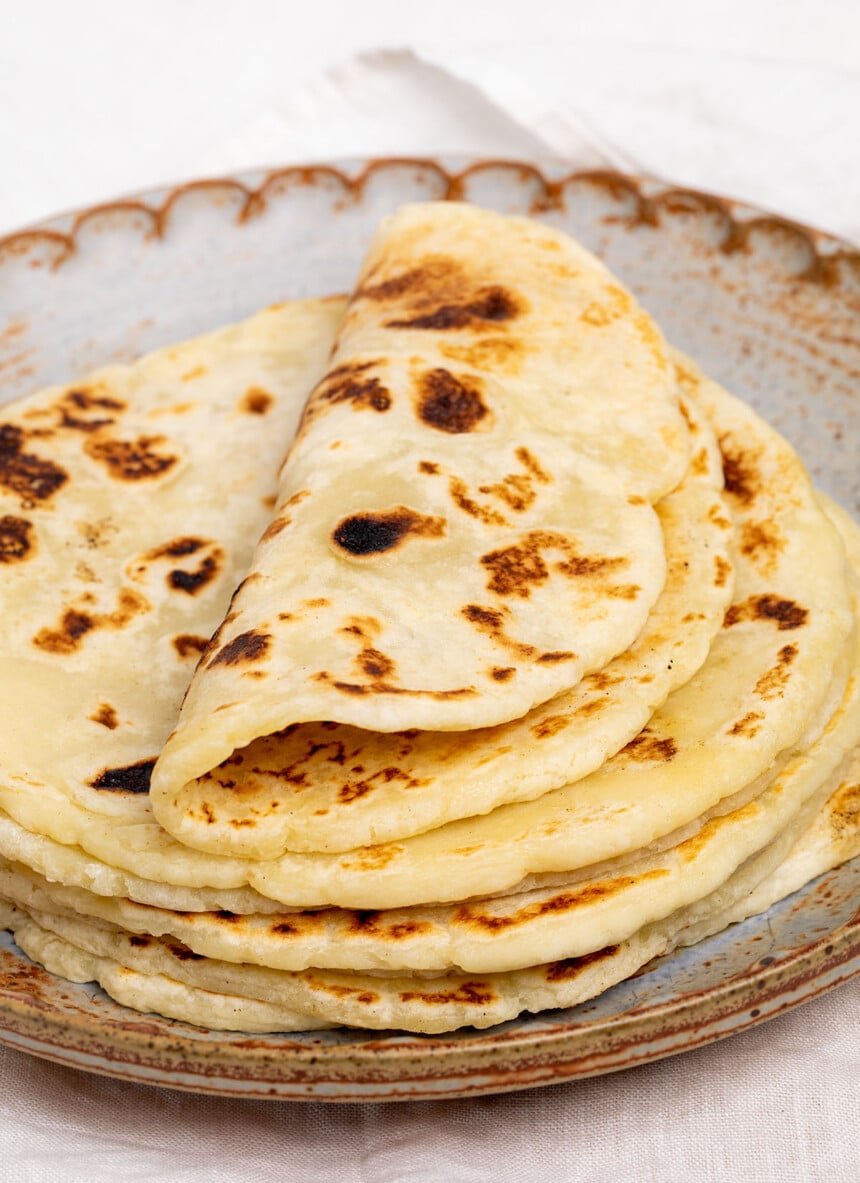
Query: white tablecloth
x,y
747,98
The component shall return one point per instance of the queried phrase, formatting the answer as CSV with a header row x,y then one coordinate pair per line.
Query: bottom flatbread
x,y
165,977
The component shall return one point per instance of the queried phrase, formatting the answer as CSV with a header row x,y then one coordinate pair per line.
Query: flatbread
x,y
333,787
465,525
151,993
821,837
130,503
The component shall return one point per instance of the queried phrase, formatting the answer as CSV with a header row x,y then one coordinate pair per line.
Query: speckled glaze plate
x,y
770,308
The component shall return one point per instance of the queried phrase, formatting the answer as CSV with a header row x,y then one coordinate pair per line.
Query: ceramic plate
x,y
769,308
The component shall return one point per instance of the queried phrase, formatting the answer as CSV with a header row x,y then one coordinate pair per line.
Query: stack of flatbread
x,y
413,660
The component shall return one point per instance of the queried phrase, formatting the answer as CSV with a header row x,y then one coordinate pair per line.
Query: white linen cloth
x,y
765,111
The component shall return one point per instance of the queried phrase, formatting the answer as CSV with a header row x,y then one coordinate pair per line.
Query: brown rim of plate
x,y
827,251
406,1067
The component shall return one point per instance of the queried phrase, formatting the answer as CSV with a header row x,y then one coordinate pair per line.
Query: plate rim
x,y
667,196
836,954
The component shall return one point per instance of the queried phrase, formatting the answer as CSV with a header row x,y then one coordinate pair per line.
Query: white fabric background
x,y
752,98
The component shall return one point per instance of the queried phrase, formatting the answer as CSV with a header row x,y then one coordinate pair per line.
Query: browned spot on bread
x,y
28,476
844,812
16,539
785,614
180,579
773,682
596,314
468,994
405,928
428,467
182,952
106,715
349,383
191,582
687,417
371,858
131,460
518,489
377,531
173,409
514,570
215,639
283,928
366,627
699,464
716,515
601,680
651,336
139,940
553,656
194,372
646,746
491,304
622,591
353,790
449,403
723,571
256,401
176,549
132,778
187,644
297,497
75,623
487,353
762,542
95,534
74,404
293,774
572,967
274,528
65,639
338,991
375,664
471,915
460,496
743,480
747,724
434,271
692,847
502,673
439,293
356,688
247,647
687,378
549,726
591,706
492,622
